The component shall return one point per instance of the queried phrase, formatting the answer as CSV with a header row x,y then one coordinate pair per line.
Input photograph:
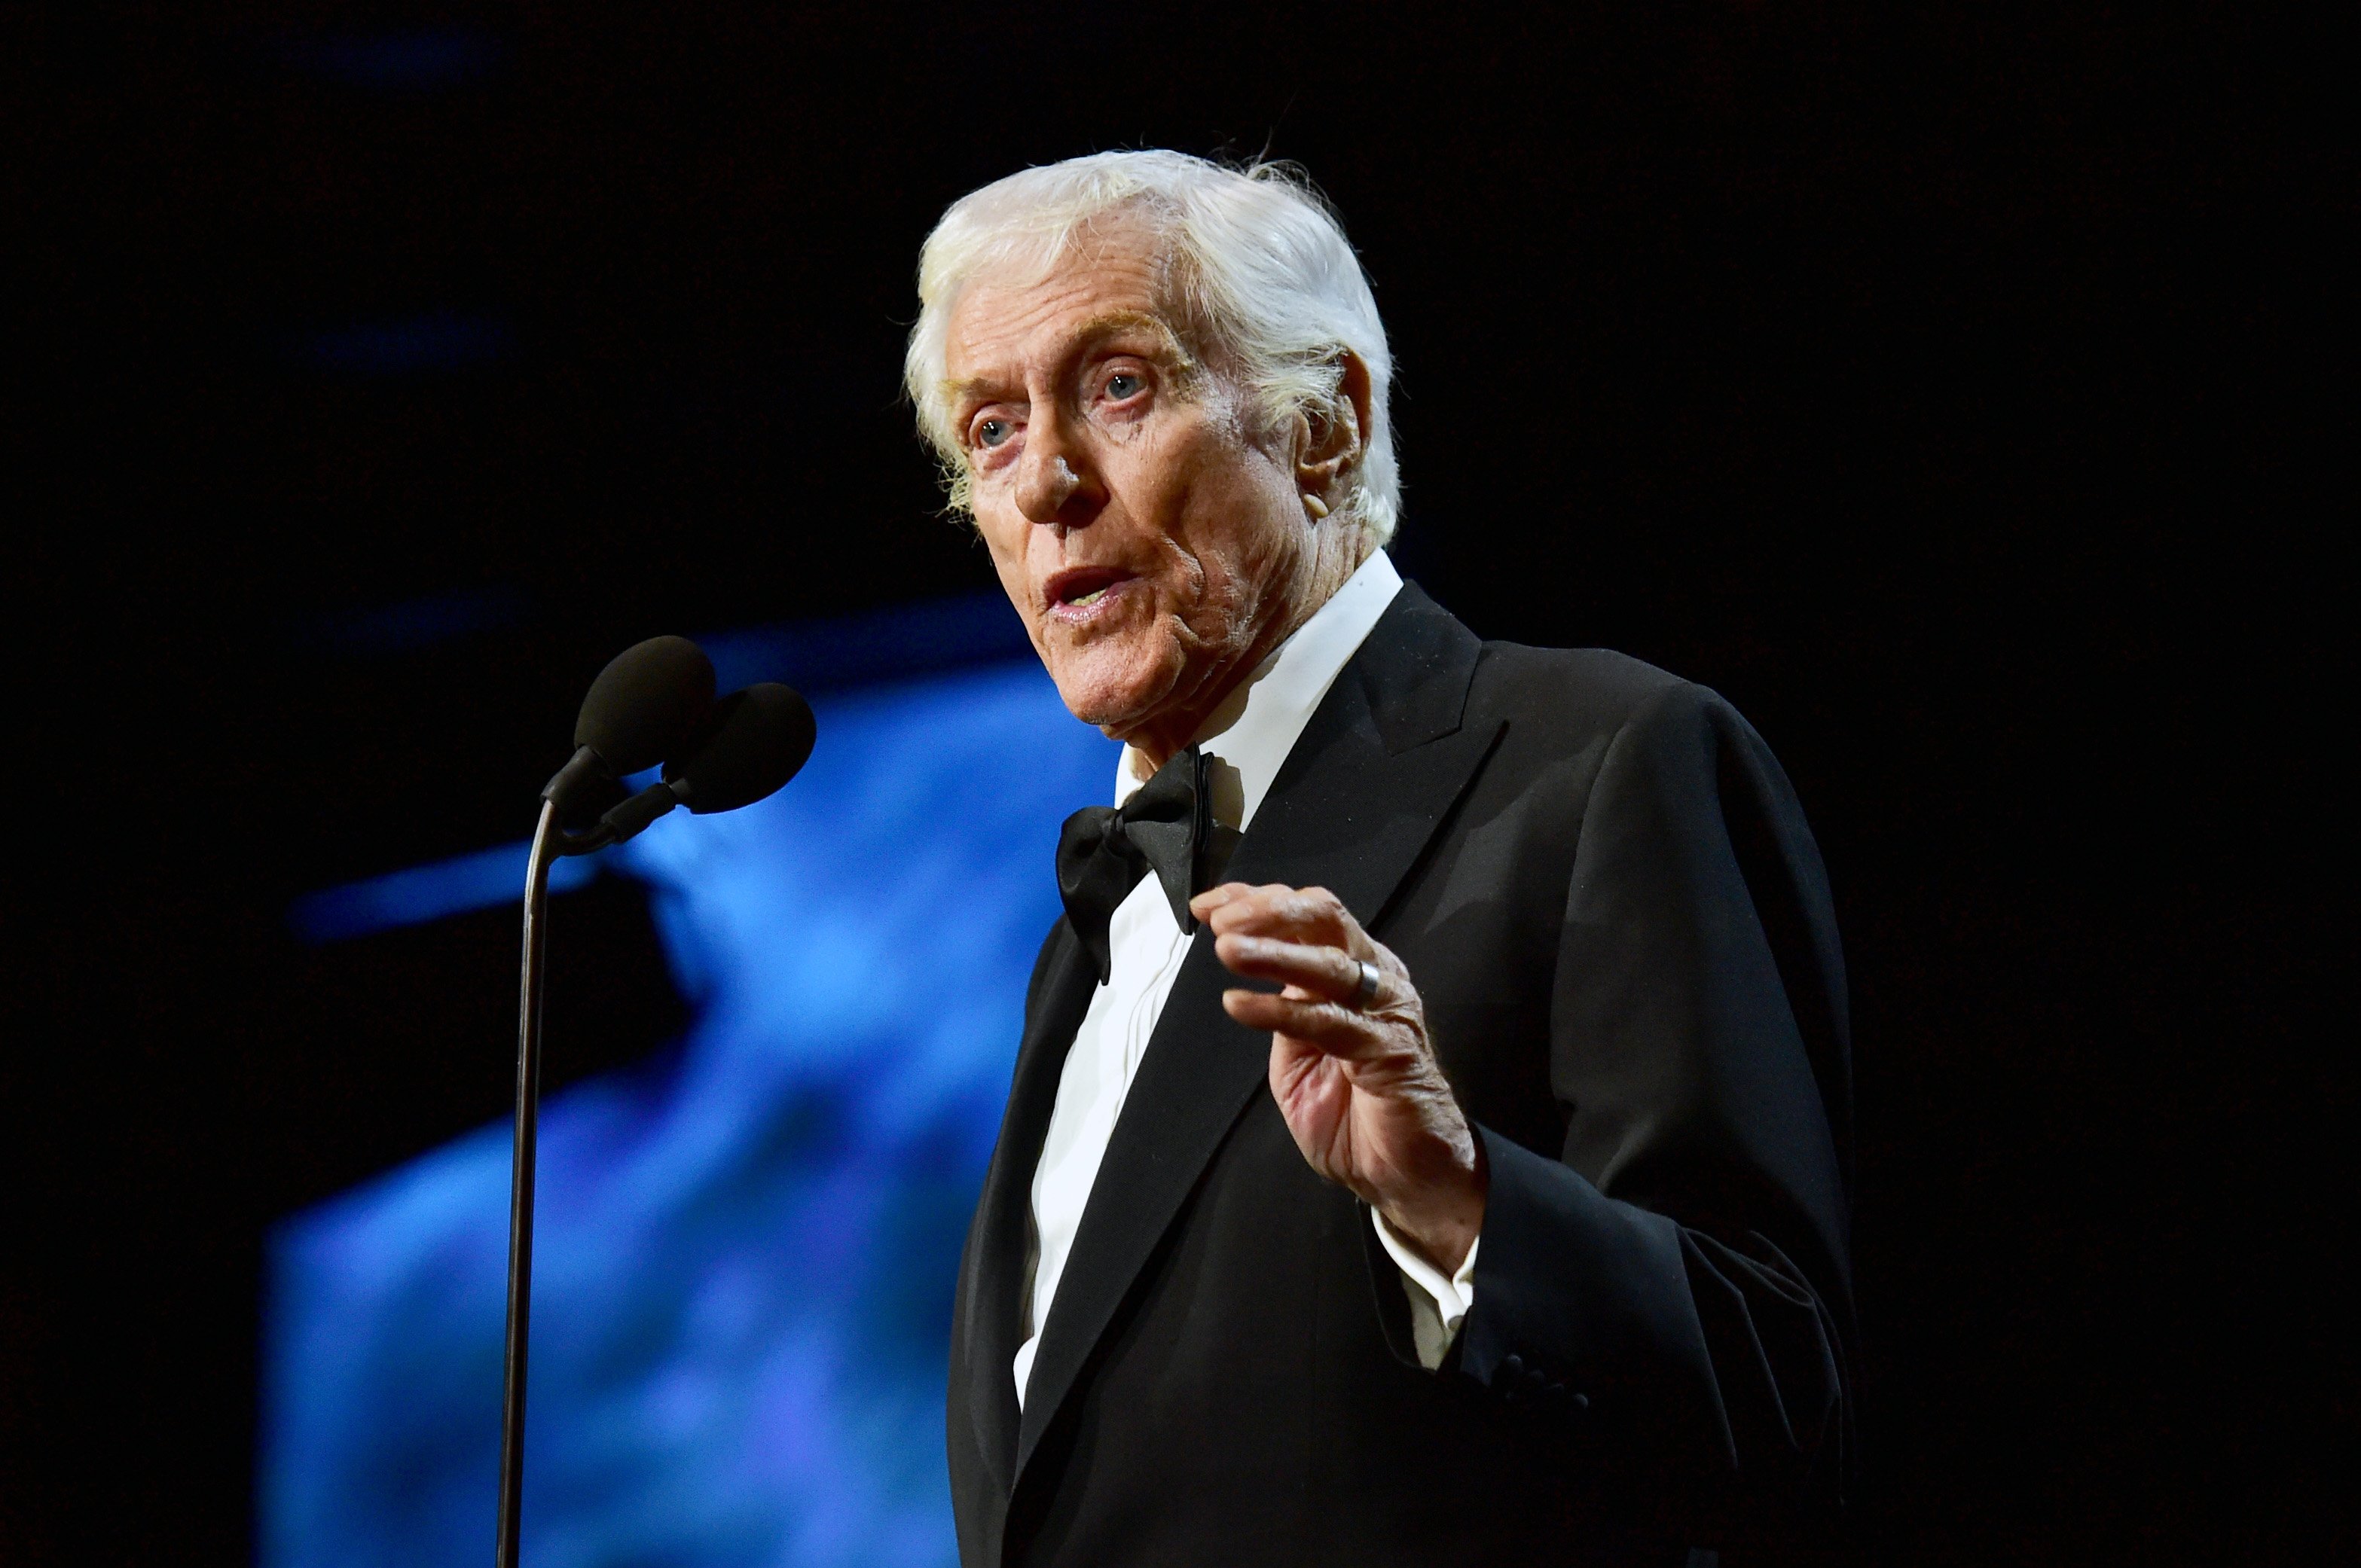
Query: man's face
x,y
1151,537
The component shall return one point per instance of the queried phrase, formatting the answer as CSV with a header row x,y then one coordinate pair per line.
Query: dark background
x,y
1923,381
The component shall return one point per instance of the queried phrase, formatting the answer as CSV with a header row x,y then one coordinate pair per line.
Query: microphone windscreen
x,y
757,741
646,704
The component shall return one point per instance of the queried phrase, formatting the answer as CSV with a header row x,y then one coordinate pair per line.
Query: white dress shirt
x,y
1250,737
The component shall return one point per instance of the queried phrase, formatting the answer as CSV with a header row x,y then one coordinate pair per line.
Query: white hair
x,y
1256,261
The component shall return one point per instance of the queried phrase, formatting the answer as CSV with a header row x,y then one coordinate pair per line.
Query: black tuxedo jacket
x,y
1608,897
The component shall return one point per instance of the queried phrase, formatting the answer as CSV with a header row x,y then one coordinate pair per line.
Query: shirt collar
x,y
1259,723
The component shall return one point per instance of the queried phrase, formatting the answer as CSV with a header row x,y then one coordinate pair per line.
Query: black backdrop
x,y
1918,379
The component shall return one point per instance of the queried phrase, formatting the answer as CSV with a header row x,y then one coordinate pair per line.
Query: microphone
x,y
645,707
653,703
754,743
759,739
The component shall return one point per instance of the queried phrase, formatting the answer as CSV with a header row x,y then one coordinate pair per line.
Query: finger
x,y
1213,898
1236,900
1294,913
1324,970
1339,1031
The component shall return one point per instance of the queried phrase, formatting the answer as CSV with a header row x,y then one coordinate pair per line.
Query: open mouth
x,y
1080,588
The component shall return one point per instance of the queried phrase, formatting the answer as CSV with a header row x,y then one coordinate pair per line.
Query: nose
x,y
1056,486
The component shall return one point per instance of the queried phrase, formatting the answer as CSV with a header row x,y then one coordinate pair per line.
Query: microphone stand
x,y
651,701
546,840
550,841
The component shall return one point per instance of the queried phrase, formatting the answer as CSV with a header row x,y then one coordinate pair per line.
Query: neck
x,y
1335,554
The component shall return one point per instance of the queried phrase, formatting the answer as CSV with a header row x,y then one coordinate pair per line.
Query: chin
x,y
1114,689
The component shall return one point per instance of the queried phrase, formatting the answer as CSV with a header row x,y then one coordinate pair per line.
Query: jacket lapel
x,y
992,1272
1375,770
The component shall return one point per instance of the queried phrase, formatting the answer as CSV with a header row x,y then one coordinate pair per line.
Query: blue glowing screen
x,y
746,1249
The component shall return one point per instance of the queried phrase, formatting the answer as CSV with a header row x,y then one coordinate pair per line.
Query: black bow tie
x,y
1166,826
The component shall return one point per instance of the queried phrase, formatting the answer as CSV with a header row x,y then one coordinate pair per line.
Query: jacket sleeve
x,y
1674,1279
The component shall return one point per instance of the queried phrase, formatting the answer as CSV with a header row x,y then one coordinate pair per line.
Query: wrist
x,y
1441,1218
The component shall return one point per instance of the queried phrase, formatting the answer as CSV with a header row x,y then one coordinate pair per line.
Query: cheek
x,y
1015,573
1244,548
1005,543
1206,505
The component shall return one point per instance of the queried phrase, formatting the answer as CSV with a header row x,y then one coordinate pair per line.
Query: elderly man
x,y
1502,1217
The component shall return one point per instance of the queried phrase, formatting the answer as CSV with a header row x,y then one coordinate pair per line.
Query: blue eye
x,y
1123,384
990,432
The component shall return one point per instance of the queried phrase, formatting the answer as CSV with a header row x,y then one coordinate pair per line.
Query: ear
x,y
1328,446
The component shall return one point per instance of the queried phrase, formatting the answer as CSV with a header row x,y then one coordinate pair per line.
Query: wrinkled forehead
x,y
1035,300
1020,254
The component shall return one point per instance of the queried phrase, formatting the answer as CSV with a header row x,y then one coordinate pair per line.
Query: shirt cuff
x,y
1437,1305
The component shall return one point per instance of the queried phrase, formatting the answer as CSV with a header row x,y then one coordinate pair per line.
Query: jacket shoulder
x,y
1581,689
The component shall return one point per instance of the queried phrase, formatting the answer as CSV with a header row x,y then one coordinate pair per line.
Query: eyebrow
x,y
1091,333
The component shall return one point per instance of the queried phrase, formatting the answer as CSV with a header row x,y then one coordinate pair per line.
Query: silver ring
x,y
1366,992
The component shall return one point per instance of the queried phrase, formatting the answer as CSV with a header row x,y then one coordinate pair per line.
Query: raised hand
x,y
1352,1068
